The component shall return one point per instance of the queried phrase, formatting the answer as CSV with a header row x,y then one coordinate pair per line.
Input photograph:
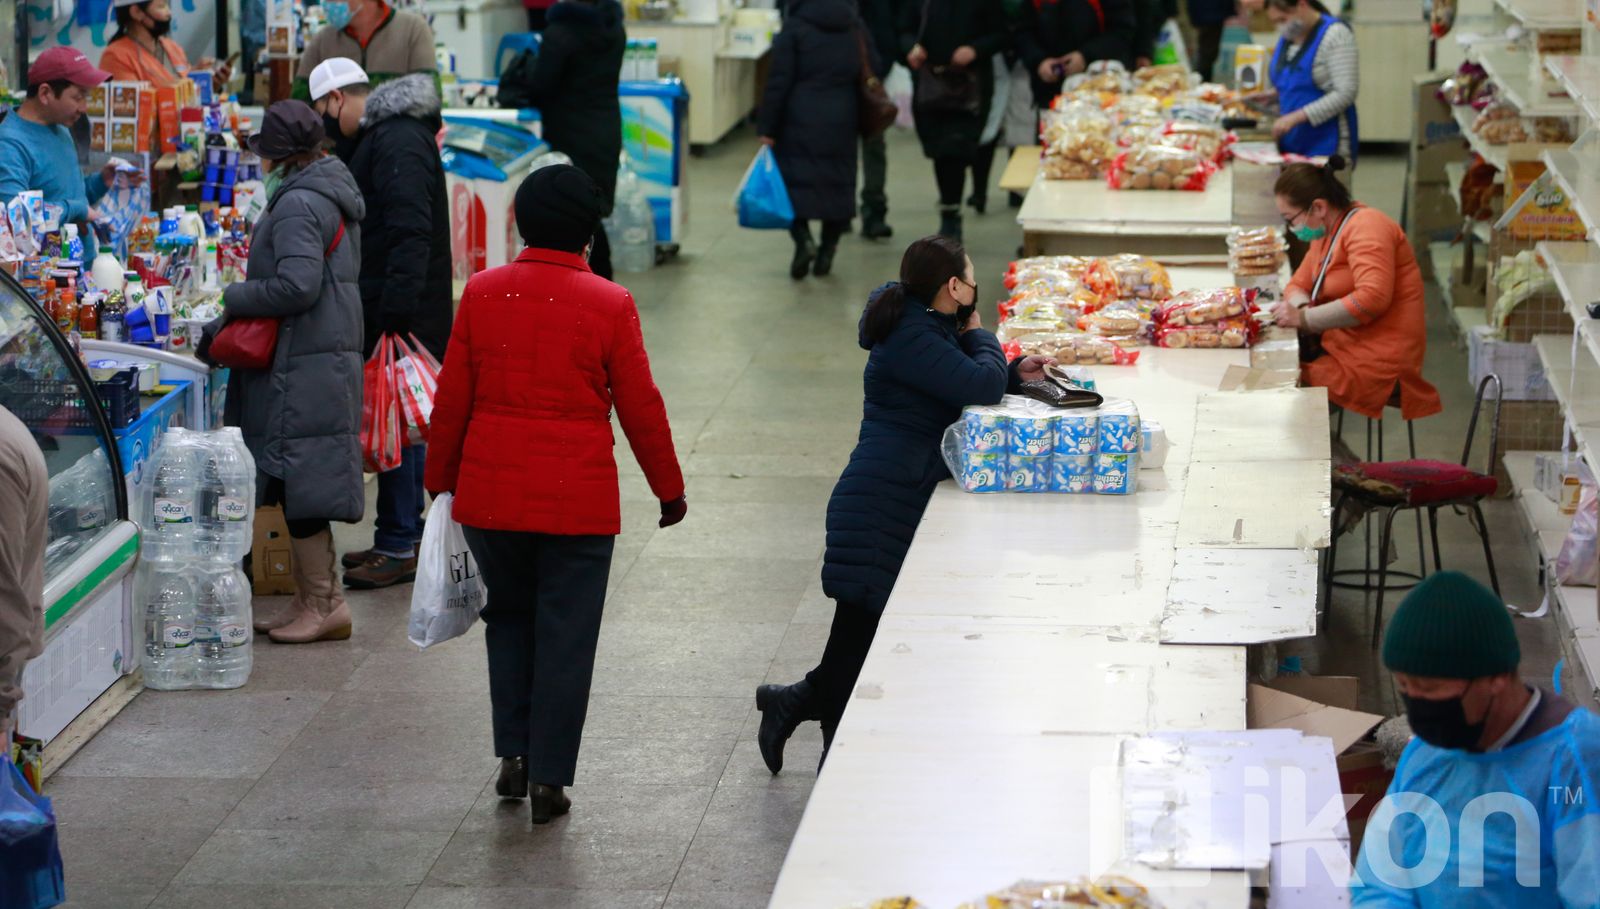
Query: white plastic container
x,y
106,271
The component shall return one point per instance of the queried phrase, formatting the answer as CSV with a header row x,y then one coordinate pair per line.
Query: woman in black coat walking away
x,y
574,86
950,47
808,117
929,357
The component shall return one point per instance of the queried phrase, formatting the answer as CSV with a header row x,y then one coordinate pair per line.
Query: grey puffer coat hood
x,y
302,417
407,96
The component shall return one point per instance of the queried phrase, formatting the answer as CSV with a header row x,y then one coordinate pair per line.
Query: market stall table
x,y
1089,218
1022,645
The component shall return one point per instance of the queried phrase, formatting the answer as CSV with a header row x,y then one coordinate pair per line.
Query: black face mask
x,y
330,126
964,311
1442,724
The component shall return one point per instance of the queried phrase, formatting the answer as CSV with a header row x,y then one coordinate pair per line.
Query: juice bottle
x,y
89,317
68,303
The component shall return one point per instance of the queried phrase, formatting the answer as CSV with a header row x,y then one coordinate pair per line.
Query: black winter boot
x,y
950,222
783,708
874,226
805,250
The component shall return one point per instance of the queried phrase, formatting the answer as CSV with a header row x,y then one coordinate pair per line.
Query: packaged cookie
x,y
1161,167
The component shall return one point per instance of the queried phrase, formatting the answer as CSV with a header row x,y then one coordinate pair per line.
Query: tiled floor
x,y
353,775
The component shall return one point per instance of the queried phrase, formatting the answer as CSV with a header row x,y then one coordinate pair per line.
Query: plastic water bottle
x,y
169,533
632,225
222,630
226,500
166,595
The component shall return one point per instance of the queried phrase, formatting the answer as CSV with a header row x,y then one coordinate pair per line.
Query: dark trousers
x,y
854,627
541,625
400,503
951,174
1210,47
299,528
600,252
874,177
536,20
982,168
831,232
248,60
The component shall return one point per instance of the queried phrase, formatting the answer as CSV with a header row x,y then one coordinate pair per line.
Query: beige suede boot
x,y
290,612
326,615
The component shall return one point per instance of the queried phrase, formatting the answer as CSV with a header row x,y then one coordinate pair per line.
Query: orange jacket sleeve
x,y
1370,254
640,409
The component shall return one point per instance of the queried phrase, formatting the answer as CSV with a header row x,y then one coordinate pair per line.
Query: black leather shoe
x,y
824,266
980,204
513,781
783,708
950,223
875,228
547,802
804,252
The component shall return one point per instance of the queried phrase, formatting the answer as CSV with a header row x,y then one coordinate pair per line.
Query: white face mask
x,y
1293,31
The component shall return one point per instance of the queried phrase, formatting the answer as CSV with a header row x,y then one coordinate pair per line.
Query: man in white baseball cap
x,y
385,133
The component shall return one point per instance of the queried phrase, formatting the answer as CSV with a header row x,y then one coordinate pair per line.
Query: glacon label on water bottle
x,y
235,635
172,511
232,510
176,637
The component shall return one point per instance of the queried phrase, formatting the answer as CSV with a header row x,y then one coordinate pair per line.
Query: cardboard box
x,y
1547,214
271,557
1517,364
1250,68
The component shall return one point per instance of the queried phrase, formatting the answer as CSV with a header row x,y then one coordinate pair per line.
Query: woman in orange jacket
x,y
1359,293
140,51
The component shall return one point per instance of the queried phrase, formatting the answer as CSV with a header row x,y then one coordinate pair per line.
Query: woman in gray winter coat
x,y
301,418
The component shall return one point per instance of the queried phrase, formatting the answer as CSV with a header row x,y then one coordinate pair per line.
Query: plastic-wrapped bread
x,y
1160,167
1258,251
1128,276
1203,307
1077,143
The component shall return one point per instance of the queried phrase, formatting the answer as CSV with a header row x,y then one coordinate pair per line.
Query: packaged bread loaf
x,y
1160,167
1228,333
1201,307
1500,123
1063,310
1128,276
1255,251
1209,140
1072,348
1077,143
1163,81
1023,271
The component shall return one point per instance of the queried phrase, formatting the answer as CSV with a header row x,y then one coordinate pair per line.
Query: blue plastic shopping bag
x,y
30,858
763,200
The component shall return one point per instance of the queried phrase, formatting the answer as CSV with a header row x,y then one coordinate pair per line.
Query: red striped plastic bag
x,y
417,386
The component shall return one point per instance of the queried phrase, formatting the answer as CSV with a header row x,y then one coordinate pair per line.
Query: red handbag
x,y
251,341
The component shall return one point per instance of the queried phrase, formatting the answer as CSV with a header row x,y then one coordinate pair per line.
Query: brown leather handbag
x,y
874,111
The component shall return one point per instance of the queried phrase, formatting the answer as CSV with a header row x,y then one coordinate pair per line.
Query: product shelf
x,y
1577,390
1581,183
1574,607
1494,154
1513,70
1576,269
1580,76
1544,15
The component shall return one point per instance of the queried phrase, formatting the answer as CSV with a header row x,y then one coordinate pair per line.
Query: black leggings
x,y
951,174
854,627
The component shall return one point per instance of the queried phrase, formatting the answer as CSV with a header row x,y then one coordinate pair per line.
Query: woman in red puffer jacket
x,y
542,351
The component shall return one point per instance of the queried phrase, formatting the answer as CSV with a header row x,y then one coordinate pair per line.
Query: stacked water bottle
x,y
196,531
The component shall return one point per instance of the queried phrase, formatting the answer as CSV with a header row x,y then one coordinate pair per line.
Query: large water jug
x,y
222,631
165,597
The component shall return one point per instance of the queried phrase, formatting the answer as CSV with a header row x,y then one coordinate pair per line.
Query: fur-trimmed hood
x,y
408,96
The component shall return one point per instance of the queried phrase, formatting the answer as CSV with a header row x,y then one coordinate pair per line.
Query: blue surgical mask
x,y
338,12
1306,234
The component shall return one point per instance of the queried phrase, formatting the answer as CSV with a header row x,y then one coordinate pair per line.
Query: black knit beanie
x,y
558,207
1451,627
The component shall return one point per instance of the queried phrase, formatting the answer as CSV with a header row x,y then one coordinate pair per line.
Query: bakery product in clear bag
x,y
1077,143
1128,276
1160,167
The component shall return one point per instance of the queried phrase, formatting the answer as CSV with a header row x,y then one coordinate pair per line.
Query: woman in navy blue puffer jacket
x,y
929,358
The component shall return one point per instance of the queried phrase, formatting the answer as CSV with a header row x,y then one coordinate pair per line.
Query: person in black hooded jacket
x,y
574,86
808,116
406,287
1060,38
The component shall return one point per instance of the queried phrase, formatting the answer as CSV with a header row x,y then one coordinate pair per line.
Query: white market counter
x,y
721,79
1022,645
1089,218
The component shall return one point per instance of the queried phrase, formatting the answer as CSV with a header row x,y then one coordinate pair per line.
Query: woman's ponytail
x,y
926,266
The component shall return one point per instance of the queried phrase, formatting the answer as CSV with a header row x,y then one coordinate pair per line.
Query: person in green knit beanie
x,y
1513,770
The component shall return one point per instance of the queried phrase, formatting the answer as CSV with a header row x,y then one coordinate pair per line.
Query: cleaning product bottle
x,y
190,223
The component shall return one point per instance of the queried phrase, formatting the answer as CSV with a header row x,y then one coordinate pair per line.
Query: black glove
x,y
672,512
398,324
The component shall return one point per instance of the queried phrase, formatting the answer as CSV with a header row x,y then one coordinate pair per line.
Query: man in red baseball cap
x,y
36,150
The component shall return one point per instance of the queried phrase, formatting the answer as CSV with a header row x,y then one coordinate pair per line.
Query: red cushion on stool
x,y
1413,482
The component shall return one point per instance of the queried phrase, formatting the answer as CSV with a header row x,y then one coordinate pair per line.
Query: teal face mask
x,y
338,12
1306,234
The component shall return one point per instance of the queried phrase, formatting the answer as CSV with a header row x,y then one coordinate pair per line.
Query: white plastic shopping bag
x,y
449,592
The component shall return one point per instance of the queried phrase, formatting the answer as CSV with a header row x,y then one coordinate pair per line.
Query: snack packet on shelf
x,y
1077,143
1160,167
1070,348
1500,123
1128,276
1200,307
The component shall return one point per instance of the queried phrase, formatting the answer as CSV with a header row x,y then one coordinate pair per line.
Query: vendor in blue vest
x,y
1496,801
1314,73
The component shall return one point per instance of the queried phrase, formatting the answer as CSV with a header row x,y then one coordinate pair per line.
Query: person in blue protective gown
x,y
1496,801
1314,72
